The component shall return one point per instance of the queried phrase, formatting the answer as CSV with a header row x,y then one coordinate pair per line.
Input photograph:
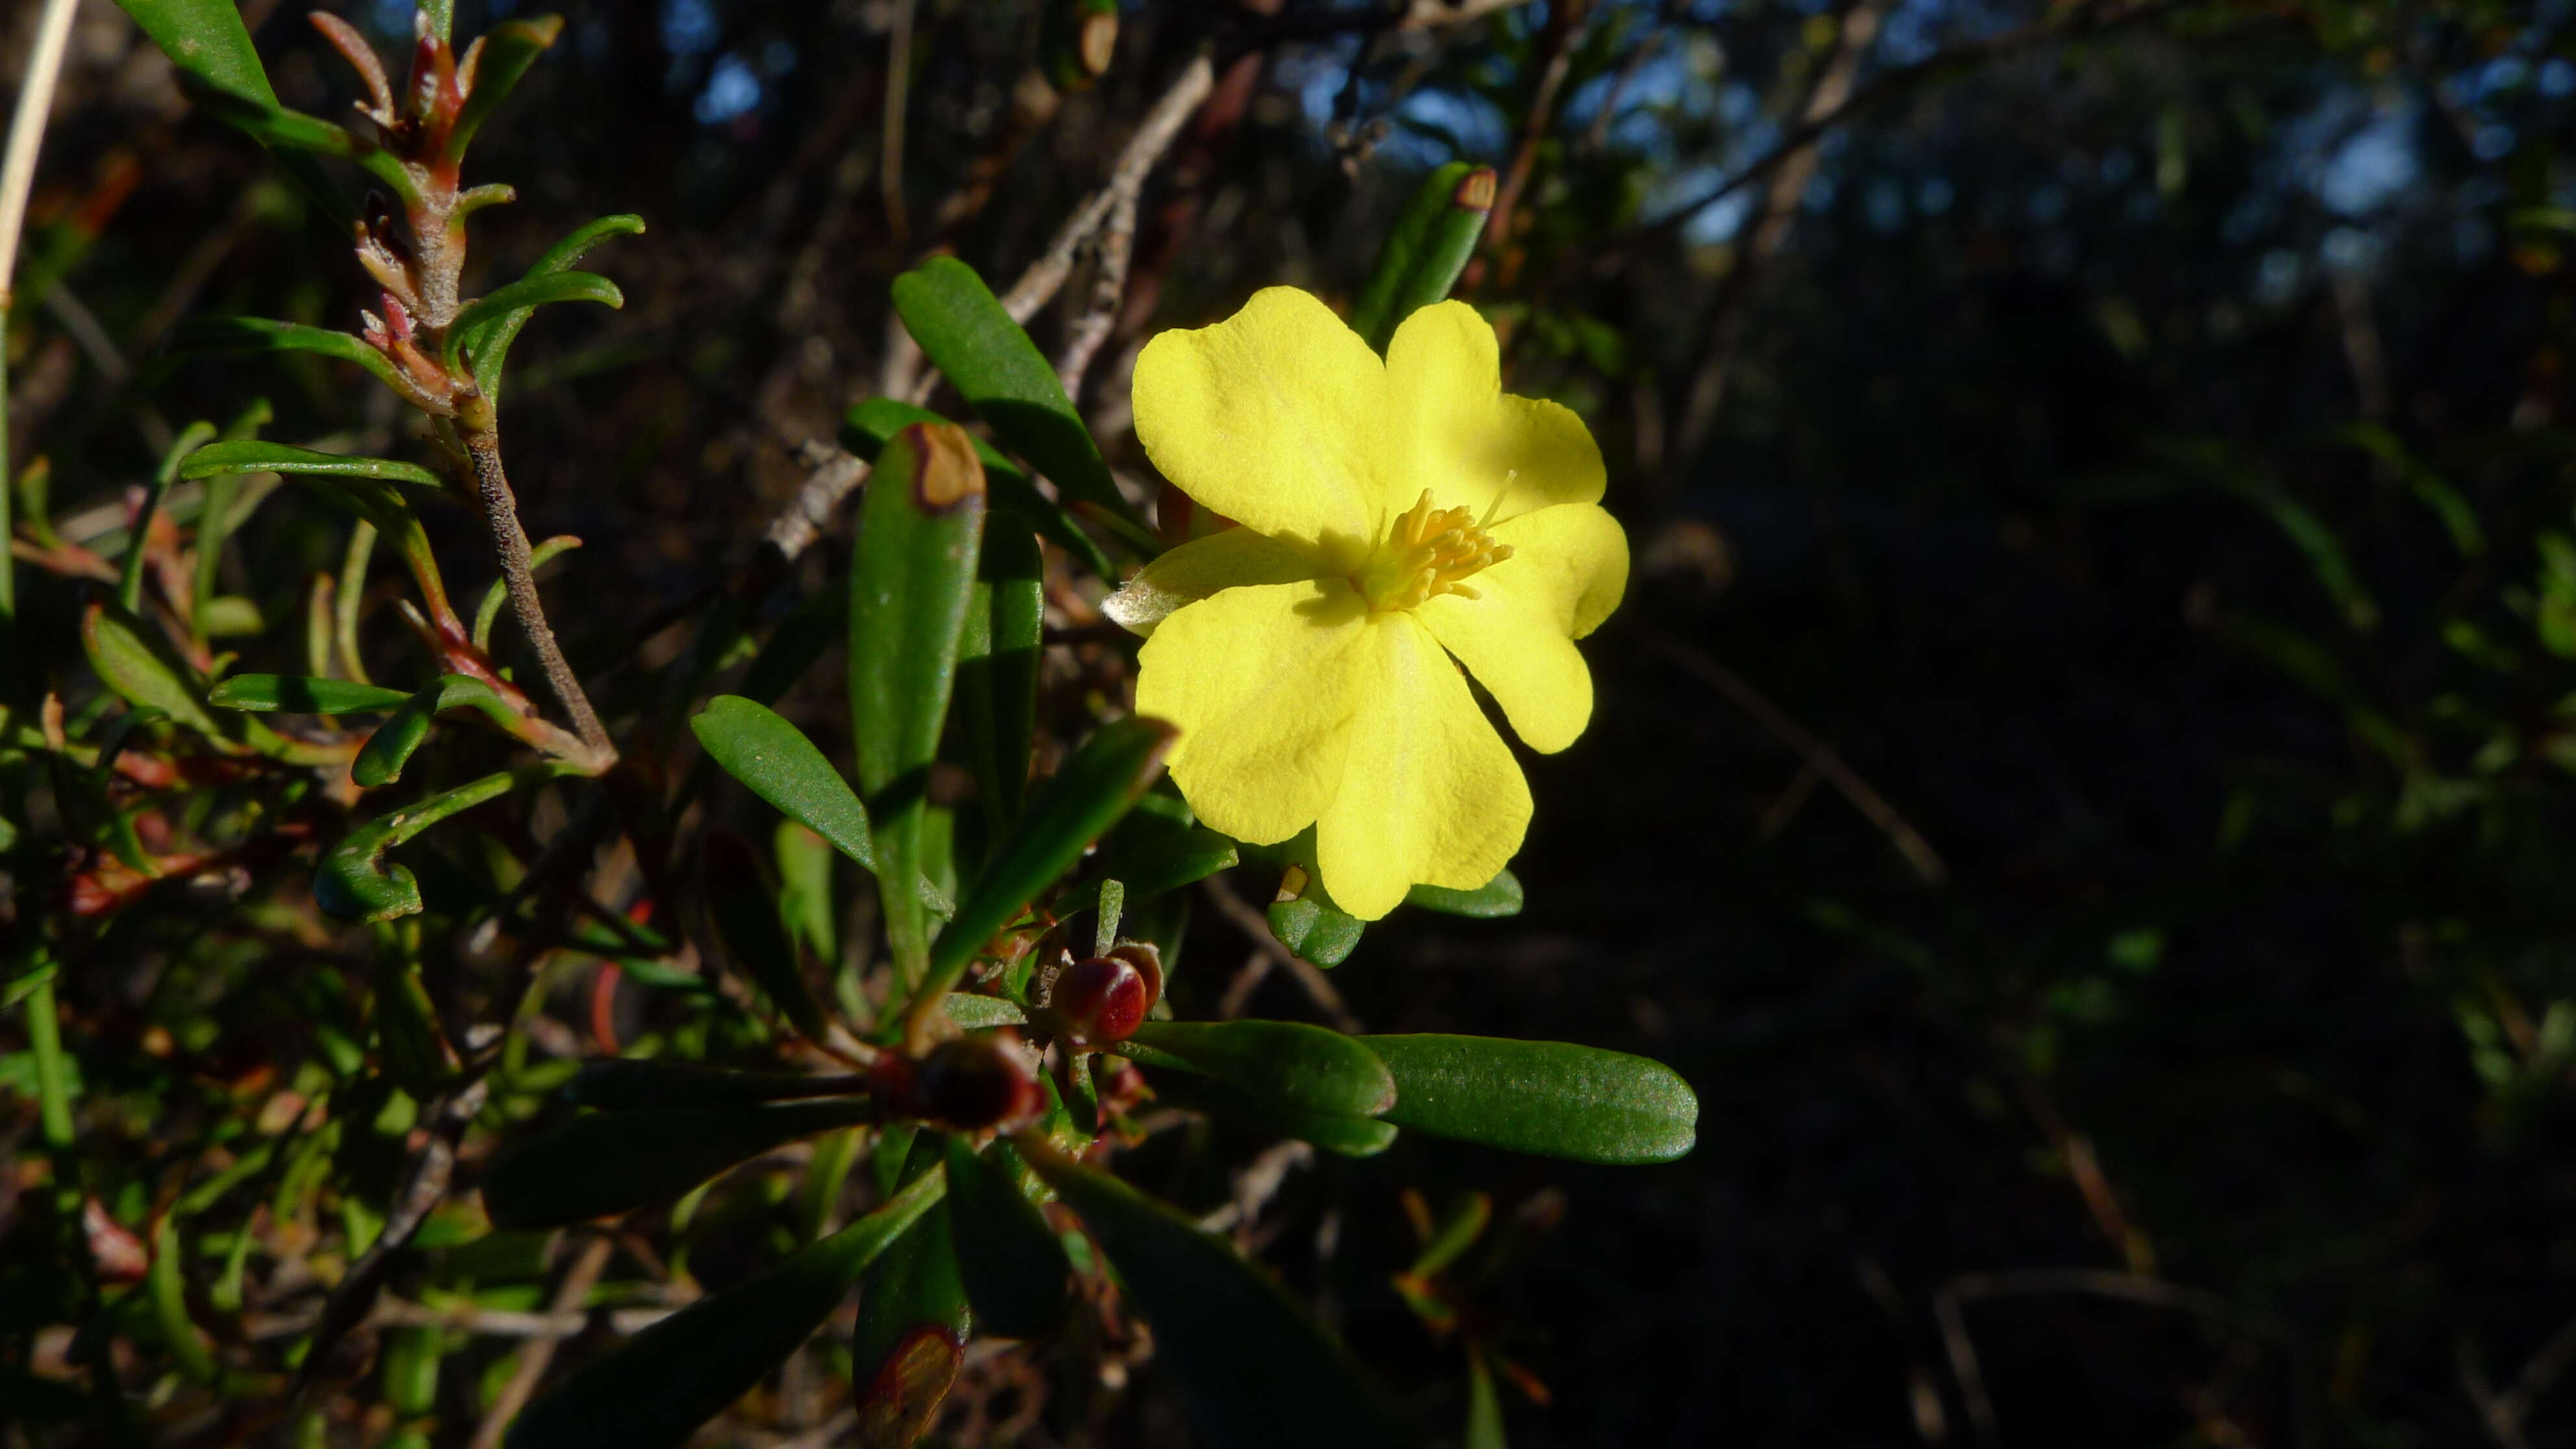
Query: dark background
x,y
2135,458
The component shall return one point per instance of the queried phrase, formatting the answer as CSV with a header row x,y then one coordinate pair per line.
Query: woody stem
x,y
510,543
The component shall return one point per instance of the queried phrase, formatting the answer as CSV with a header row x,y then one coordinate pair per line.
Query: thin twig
x,y
898,95
1908,841
1309,975
832,476
1108,294
510,542
1564,23
569,1296
2102,1282
1154,136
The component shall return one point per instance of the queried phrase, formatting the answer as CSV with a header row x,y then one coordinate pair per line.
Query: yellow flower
x,y
1393,515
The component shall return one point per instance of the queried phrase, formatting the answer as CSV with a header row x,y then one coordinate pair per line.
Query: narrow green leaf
x,y
997,668
744,906
259,334
972,1012
1256,1371
356,883
129,582
1017,1276
654,1392
1337,1132
281,129
775,761
864,431
1554,1099
208,43
614,1162
1500,896
380,761
805,895
250,455
508,49
1085,798
133,660
1422,257
489,342
1484,1407
1001,374
484,314
628,1084
1288,1062
916,1283
911,578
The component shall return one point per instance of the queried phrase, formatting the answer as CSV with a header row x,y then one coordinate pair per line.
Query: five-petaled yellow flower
x,y
1393,514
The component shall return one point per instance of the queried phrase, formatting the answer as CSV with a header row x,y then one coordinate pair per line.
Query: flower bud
x,y
973,1084
1098,1000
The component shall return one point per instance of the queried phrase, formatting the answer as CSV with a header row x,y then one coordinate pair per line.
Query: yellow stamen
x,y
1426,554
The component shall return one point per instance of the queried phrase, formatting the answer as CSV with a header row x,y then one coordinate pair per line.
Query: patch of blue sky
x,y
1481,132
688,26
2368,169
2557,77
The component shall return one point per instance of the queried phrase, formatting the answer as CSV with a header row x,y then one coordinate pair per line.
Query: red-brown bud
x,y
1101,1000
973,1084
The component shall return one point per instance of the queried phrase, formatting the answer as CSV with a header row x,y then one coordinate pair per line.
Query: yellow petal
x,y
1228,559
1263,682
1568,567
1267,418
1429,792
1452,429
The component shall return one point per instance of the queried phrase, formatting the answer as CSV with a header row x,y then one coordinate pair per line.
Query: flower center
x,y
1426,554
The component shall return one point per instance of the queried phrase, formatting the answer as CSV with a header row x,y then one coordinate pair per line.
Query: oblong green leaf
x,y
1498,897
380,761
775,761
625,1084
613,1162
250,455
916,1286
1555,1099
744,906
508,49
655,1391
133,660
1256,1371
1169,862
208,43
1077,807
997,667
259,334
973,1012
865,428
526,295
965,333
1422,257
1017,1277
1315,929
1288,1062
1333,1131
911,579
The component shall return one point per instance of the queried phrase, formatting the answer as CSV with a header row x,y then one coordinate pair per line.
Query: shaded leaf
x,y
1254,1368
133,660
1017,1276
997,668
613,1162
259,334
864,431
380,761
1288,1062
1498,897
1555,1099
744,906
635,1083
508,49
655,1391
355,882
1427,249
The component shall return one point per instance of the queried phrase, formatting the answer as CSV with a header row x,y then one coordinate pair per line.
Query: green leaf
x,y
1314,929
381,760
655,1391
1085,798
250,455
614,1162
997,668
775,761
207,42
133,660
1500,896
1287,1062
1171,861
972,1012
281,129
864,432
259,334
627,1084
484,314
911,578
507,50
914,1285
1551,1098
1484,1407
489,342
744,906
1256,1371
356,883
1016,1277
1422,257
1000,373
